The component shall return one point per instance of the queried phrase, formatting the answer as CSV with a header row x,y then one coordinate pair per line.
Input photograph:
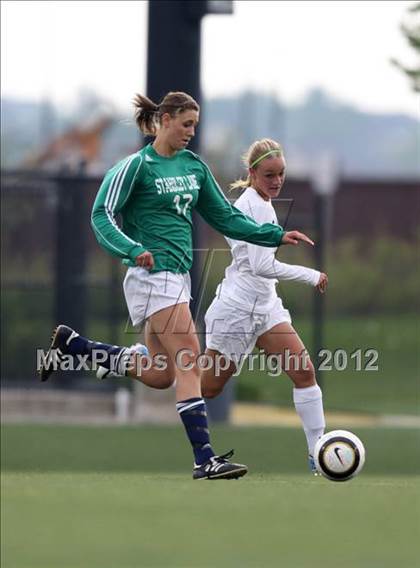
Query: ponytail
x,y
145,114
148,114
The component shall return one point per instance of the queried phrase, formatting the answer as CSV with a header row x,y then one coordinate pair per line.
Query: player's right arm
x,y
111,198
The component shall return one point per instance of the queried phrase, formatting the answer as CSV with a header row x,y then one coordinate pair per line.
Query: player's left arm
x,y
270,267
214,207
264,263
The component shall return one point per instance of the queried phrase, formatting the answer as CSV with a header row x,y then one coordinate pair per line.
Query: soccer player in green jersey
x,y
154,192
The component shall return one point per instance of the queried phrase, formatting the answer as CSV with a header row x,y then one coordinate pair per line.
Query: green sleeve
x,y
112,196
225,218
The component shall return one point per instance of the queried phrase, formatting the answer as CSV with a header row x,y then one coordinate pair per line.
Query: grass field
x,y
393,389
122,497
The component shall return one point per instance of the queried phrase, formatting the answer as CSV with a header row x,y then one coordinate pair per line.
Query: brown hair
x,y
254,152
148,114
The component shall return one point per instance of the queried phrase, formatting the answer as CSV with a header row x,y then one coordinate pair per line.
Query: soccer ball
x,y
339,455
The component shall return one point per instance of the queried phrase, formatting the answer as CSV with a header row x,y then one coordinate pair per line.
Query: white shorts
x,y
234,332
147,293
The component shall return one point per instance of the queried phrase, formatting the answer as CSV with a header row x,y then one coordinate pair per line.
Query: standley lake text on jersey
x,y
174,184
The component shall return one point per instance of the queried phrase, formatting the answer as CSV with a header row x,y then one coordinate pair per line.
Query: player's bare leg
x,y
173,330
283,340
148,370
177,334
213,380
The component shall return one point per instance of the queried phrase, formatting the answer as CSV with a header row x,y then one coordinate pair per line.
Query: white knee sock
x,y
308,404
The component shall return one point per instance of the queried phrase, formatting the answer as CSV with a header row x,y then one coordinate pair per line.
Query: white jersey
x,y
250,280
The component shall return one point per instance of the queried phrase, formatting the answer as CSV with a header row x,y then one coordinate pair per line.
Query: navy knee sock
x,y
194,416
107,355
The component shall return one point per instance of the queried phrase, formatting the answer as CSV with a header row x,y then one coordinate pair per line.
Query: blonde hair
x,y
256,153
148,114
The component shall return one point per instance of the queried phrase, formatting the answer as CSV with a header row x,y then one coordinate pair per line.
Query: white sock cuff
x,y
308,394
183,405
122,362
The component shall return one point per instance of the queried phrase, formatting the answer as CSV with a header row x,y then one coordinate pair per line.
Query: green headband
x,y
269,153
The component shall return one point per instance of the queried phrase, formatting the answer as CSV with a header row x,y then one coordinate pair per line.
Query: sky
x,y
55,49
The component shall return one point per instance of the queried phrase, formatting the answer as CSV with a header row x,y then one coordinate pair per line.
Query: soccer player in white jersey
x,y
247,311
154,192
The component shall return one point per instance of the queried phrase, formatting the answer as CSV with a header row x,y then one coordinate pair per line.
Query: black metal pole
x,y
320,215
174,59
70,257
174,50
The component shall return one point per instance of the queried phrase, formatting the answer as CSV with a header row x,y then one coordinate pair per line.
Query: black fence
x,y
53,270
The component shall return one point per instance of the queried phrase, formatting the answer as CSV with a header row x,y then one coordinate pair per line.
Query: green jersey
x,y
154,196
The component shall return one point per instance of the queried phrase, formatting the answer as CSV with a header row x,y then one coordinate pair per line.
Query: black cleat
x,y
219,467
61,337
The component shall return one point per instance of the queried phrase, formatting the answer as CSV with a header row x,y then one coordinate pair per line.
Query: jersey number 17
x,y
182,207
